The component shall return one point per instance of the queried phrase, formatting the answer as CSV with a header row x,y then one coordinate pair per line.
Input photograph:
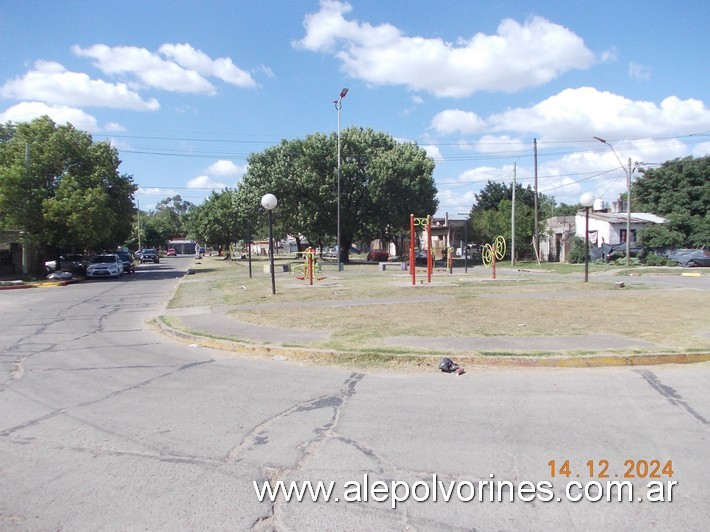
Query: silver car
x,y
105,265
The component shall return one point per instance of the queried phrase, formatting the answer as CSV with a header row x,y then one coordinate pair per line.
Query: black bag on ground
x,y
447,365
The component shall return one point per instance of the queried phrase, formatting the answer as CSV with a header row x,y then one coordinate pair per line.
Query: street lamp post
x,y
268,201
628,199
465,243
338,105
587,200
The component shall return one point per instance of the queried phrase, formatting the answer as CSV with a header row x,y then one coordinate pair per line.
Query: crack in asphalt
x,y
259,435
670,394
115,393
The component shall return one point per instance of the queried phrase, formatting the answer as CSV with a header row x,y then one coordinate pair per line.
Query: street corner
x,y
14,285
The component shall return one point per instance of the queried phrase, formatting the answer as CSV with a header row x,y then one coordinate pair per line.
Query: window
x,y
622,235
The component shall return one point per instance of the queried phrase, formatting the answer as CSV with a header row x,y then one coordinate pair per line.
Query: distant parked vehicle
x,y
149,255
105,265
129,265
421,258
378,255
67,263
690,257
171,252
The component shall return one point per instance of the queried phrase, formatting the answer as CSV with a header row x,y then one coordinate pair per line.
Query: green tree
x,y
382,181
61,189
491,215
166,221
563,209
216,220
680,191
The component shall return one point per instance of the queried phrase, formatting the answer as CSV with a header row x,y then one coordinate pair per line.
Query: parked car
x,y
129,265
149,255
171,252
421,258
690,257
67,263
105,265
378,255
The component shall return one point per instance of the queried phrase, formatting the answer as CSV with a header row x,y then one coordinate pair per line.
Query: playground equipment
x,y
419,222
493,252
309,268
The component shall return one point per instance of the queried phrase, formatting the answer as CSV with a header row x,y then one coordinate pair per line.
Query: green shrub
x,y
657,260
576,252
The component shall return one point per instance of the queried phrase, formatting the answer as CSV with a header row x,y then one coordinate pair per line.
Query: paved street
x,y
107,425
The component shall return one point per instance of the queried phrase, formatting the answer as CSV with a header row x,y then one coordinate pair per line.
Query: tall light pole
x,y
628,199
587,200
268,201
338,105
464,248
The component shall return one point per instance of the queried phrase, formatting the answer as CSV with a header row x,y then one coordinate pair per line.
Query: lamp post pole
x,y
465,243
628,199
268,201
338,105
587,200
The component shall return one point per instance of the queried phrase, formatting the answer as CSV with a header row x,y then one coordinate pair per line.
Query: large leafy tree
x,y
166,221
680,191
217,220
491,214
62,190
382,181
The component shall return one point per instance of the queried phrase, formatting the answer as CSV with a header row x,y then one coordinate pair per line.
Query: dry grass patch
x,y
537,305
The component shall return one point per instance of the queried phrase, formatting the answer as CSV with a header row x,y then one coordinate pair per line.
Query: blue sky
x,y
186,90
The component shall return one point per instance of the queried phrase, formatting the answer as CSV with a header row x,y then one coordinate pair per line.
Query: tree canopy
x,y
382,181
678,190
491,214
61,189
216,220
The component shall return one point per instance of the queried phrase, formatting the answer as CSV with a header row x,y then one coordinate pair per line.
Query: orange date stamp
x,y
629,469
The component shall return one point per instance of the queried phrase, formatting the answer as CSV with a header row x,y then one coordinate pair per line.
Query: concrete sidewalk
x,y
212,327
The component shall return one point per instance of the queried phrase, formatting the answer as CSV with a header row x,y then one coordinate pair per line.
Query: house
x,y
605,227
611,227
445,233
557,241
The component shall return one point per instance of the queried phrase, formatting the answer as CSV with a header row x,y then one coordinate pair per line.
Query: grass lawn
x,y
367,305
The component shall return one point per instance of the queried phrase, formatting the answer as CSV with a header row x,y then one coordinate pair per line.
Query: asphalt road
x,y
107,425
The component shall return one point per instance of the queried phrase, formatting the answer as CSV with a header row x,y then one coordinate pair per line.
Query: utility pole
x,y
25,247
628,215
512,220
628,198
536,241
138,204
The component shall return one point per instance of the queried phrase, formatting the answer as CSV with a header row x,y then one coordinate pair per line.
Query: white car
x,y
105,265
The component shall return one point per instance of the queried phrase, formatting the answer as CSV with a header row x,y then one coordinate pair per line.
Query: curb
x,y
325,355
16,286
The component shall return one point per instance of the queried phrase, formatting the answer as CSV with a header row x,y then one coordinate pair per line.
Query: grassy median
x,y
362,305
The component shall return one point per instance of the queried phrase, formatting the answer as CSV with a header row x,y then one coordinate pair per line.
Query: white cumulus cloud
x,y
51,83
223,168
174,67
204,181
588,112
222,68
457,121
28,111
518,56
150,69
